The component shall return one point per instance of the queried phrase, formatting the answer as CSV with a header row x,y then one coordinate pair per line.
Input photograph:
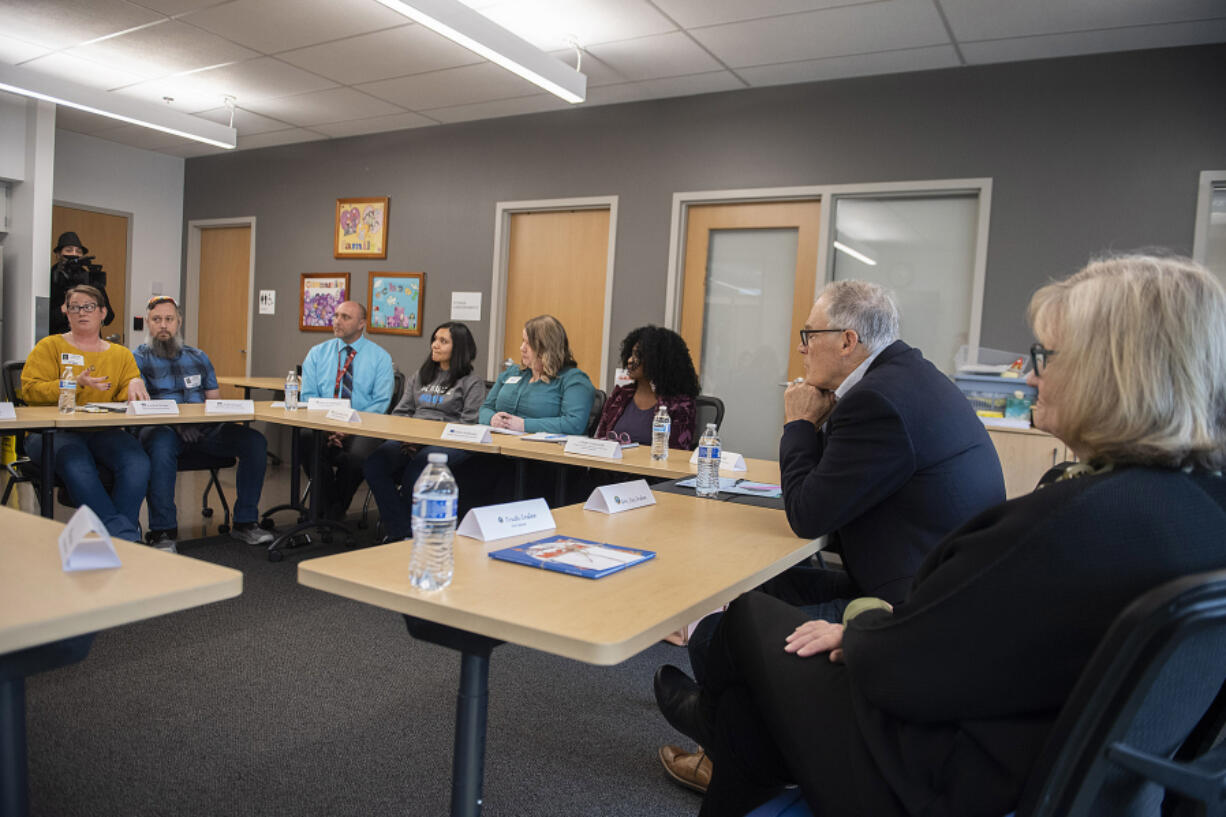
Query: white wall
x,y
12,136
95,174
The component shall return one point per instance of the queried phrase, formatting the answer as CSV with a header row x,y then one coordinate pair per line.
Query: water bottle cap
x,y
437,458
711,427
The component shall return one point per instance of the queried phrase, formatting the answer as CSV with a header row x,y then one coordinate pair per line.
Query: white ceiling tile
x,y
664,55
170,47
63,23
247,82
172,8
696,13
335,105
991,19
833,32
279,25
14,51
454,86
547,23
395,52
281,137
245,122
1093,42
82,71
499,108
712,82
378,124
858,65
82,122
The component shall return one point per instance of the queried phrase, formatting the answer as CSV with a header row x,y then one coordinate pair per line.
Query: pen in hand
x,y
795,382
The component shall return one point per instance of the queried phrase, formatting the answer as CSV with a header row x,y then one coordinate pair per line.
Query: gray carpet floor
x,y
290,701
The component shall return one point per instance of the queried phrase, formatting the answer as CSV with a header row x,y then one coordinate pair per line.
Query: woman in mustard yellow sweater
x,y
104,372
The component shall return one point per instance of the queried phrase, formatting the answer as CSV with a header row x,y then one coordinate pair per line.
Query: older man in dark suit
x,y
880,452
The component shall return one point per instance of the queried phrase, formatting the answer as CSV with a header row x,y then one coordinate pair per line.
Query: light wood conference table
x,y
707,554
249,384
48,617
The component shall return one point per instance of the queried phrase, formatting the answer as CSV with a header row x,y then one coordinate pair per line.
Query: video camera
x,y
80,268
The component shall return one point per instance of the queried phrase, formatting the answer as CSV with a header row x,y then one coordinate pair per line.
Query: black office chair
x,y
593,417
20,469
1153,687
707,409
398,386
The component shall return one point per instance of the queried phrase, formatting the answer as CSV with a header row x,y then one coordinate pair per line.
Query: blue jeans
x,y
164,445
77,454
389,465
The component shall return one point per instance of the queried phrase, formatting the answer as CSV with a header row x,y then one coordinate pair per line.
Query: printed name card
x,y
327,403
466,433
344,414
7,412
229,406
623,496
608,449
85,543
508,519
728,461
147,407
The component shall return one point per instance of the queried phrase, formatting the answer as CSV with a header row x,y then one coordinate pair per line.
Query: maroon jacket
x,y
681,413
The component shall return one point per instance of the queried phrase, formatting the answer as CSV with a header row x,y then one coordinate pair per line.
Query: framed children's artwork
x,y
322,293
395,300
361,228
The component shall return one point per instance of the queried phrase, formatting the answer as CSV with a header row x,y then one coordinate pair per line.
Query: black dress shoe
x,y
680,700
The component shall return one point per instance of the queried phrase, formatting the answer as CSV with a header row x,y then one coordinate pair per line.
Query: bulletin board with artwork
x,y
321,294
395,302
361,228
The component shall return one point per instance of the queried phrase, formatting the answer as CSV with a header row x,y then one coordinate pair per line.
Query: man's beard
x,y
168,348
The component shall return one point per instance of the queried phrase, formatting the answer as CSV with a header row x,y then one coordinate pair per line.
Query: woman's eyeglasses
x,y
1038,357
86,308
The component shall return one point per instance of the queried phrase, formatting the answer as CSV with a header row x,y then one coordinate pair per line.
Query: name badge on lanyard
x,y
191,381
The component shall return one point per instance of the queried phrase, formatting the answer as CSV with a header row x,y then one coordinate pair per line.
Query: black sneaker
x,y
163,540
251,533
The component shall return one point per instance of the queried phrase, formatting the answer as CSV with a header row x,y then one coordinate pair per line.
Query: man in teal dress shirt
x,y
352,366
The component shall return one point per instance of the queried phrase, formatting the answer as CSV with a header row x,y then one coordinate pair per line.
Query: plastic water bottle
x,y
435,497
660,428
68,391
292,387
707,484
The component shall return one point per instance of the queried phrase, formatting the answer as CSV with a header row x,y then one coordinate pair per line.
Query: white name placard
x,y
229,406
620,497
508,519
327,403
608,449
466,433
145,407
728,461
7,412
85,543
344,414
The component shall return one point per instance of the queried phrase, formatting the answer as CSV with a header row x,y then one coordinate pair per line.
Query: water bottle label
x,y
708,452
436,508
661,428
68,384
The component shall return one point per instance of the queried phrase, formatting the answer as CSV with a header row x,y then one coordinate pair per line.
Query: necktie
x,y
344,374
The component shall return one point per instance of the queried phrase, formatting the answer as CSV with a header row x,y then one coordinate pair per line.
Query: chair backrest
x,y
1145,690
593,417
12,381
707,409
397,389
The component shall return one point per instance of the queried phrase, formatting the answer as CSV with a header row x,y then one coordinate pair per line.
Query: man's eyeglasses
x,y
805,334
86,308
1038,357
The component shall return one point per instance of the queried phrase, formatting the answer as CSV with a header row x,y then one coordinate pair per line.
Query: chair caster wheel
x,y
275,555
268,524
223,528
206,512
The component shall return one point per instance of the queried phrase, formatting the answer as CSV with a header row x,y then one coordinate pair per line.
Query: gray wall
x,y
1087,154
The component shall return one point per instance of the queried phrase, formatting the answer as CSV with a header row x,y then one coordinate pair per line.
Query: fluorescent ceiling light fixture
x,y
859,256
481,35
113,106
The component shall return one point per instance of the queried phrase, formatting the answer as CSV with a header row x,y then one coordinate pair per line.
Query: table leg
x,y
46,488
472,703
315,511
295,482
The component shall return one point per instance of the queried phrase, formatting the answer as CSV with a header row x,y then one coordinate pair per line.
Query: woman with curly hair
x,y
659,364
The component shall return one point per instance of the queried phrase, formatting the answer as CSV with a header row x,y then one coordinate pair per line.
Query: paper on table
x,y
732,485
85,543
546,437
512,432
7,412
109,406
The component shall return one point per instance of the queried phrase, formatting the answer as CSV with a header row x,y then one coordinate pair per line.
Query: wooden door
x,y
702,220
106,238
557,265
222,304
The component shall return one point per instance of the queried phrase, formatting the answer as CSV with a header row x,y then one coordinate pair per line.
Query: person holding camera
x,y
74,267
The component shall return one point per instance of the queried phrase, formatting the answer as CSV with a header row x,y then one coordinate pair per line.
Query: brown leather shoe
x,y
690,769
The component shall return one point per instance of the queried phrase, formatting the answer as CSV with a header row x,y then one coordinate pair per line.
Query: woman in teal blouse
x,y
548,393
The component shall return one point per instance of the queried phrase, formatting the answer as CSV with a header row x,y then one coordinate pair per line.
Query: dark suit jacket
x,y
902,462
